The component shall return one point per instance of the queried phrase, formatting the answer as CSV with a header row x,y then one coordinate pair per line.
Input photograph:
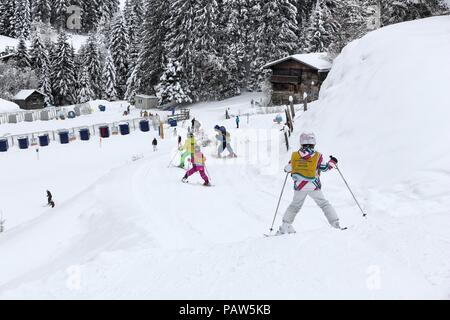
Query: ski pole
x,y
349,189
279,201
171,161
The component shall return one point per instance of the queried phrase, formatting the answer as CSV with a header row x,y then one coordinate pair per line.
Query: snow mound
x,y
385,106
8,106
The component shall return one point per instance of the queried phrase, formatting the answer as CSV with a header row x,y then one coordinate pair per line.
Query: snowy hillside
x,y
131,229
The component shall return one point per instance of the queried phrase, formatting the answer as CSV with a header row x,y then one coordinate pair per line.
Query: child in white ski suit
x,y
305,166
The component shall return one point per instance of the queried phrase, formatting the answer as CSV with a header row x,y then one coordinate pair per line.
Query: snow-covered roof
x,y
146,96
8,106
24,94
317,61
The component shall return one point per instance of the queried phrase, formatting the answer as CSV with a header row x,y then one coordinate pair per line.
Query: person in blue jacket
x,y
224,141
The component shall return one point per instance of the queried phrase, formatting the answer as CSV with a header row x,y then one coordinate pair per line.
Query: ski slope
x,y
125,229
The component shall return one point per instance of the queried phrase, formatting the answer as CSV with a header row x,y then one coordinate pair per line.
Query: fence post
x,y
292,107
287,140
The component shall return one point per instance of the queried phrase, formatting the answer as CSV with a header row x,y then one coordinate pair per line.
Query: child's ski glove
x,y
333,162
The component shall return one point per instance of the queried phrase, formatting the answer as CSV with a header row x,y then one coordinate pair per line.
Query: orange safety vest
x,y
305,168
199,159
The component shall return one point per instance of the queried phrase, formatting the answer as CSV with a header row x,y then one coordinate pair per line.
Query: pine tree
x,y
45,84
38,56
63,72
59,12
134,26
92,14
109,79
153,51
22,18
133,84
119,50
243,22
7,18
41,10
171,88
85,93
322,29
22,57
179,71
92,61
352,21
277,35
206,61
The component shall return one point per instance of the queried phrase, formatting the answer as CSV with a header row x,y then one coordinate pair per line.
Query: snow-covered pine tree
x,y
7,18
153,51
22,57
85,93
109,79
59,13
63,72
277,33
352,20
22,18
322,29
45,85
134,28
38,56
170,87
404,10
41,10
133,84
92,62
110,8
179,72
91,14
119,47
228,78
205,59
243,22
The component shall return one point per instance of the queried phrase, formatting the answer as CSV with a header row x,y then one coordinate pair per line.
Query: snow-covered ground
x,y
131,229
8,106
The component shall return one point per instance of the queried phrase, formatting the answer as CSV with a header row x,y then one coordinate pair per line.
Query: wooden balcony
x,y
286,79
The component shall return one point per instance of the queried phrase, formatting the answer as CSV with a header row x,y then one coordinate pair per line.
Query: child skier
x,y
305,167
238,120
189,149
155,145
198,166
224,142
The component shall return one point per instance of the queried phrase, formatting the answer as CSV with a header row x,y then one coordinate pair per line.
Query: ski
x,y
197,184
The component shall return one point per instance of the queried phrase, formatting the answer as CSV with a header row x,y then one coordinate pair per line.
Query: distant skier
x,y
179,142
50,201
193,124
224,141
188,147
197,126
155,145
238,120
198,165
305,168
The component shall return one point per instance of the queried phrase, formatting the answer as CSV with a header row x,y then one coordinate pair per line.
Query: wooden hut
x,y
144,102
30,100
296,75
